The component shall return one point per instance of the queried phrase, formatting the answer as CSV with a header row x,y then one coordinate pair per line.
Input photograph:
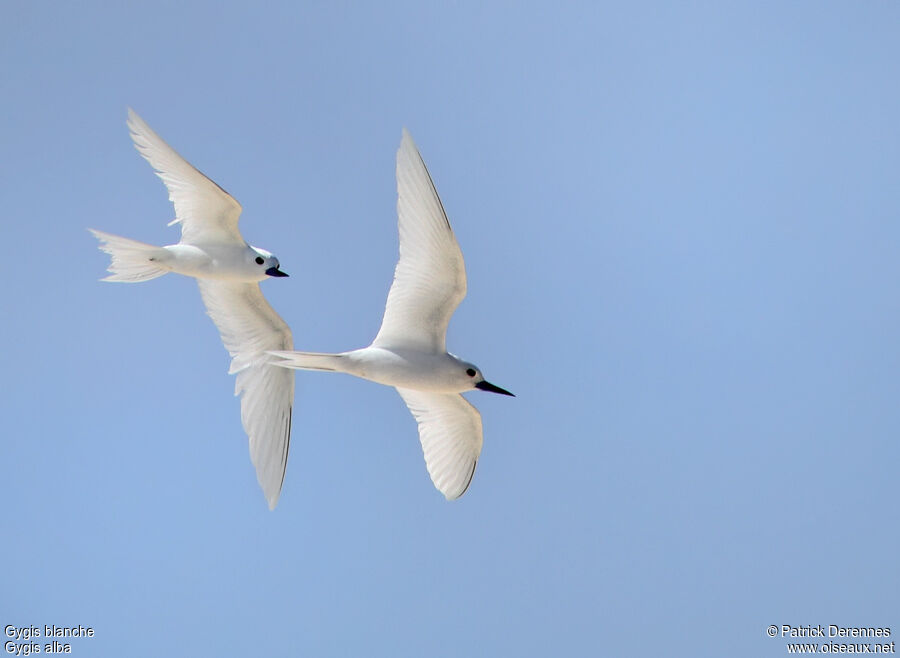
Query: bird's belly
x,y
420,372
224,264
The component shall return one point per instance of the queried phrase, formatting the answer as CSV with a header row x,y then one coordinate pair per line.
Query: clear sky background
x,y
680,225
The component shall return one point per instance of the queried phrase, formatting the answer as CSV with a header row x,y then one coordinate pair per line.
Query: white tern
x,y
228,271
410,350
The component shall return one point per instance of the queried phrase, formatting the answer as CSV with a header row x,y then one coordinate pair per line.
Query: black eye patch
x,y
259,260
470,372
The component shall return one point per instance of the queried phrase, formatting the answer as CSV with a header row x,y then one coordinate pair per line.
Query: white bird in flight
x,y
228,271
410,350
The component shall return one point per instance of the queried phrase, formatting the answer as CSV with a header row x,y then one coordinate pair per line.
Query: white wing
x,y
249,327
451,435
430,278
207,213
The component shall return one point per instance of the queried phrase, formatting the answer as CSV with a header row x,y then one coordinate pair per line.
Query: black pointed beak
x,y
487,386
274,271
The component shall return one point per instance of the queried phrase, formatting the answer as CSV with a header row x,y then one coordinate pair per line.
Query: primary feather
x,y
430,277
206,212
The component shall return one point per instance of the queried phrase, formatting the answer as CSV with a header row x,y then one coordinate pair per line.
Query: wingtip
x,y
456,494
407,143
102,236
140,132
407,152
133,119
137,128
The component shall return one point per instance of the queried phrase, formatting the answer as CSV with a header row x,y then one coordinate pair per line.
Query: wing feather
x,y
249,328
206,212
451,435
430,277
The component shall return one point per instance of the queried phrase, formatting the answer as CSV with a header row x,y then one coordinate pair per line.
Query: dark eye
x,y
259,260
470,372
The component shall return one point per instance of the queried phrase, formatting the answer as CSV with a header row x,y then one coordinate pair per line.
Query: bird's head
x,y
267,262
476,380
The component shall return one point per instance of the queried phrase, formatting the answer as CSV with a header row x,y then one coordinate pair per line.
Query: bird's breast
x,y
420,371
221,262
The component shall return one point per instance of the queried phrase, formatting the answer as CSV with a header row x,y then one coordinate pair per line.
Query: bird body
x,y
228,272
227,262
409,352
406,368
222,261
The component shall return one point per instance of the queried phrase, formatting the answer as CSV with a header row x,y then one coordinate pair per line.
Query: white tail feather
x,y
309,361
132,261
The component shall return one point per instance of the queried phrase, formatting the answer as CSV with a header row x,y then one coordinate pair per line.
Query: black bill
x,y
487,386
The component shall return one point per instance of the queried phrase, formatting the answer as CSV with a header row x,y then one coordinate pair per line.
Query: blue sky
x,y
680,225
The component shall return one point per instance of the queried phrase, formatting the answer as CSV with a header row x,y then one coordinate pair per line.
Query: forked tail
x,y
132,261
310,361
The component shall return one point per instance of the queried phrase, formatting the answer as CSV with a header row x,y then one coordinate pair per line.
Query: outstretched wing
x,y
207,213
250,327
451,436
430,278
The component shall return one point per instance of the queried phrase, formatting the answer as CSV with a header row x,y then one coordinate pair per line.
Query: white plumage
x,y
228,271
410,351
